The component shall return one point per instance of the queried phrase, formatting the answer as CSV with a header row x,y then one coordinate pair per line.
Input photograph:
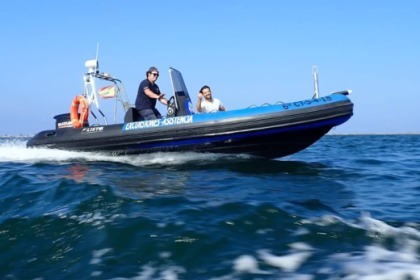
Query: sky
x,y
248,52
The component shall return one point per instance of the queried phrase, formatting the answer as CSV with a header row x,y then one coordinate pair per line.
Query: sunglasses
x,y
155,74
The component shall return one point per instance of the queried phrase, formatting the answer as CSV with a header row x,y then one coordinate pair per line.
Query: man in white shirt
x,y
206,103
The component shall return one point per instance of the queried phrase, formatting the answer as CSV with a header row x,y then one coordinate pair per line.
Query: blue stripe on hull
x,y
238,136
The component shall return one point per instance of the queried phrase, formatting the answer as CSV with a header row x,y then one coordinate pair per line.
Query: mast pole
x,y
315,76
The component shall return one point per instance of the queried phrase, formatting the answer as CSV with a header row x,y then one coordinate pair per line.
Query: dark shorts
x,y
150,114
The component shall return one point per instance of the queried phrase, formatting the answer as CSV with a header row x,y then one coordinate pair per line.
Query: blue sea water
x,y
345,208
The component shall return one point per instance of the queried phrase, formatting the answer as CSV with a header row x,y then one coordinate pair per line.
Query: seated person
x,y
206,103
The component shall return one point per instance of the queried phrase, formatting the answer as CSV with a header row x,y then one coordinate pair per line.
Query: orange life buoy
x,y
74,111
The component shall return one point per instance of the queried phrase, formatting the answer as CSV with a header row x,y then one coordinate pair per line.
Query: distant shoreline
x,y
328,134
371,134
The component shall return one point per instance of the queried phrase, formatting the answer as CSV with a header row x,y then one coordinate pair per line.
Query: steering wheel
x,y
171,110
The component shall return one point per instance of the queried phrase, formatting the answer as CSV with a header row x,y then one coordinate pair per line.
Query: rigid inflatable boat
x,y
269,131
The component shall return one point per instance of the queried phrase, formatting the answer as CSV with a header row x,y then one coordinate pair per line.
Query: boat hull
x,y
271,131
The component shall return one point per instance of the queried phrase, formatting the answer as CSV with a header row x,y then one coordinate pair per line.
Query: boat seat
x,y
132,115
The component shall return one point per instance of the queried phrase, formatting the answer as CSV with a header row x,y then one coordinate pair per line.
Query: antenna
x,y
92,66
97,55
315,75
97,50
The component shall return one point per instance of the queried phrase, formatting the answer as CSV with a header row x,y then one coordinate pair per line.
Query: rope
x,y
266,104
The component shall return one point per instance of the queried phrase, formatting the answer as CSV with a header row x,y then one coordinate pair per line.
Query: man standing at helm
x,y
147,95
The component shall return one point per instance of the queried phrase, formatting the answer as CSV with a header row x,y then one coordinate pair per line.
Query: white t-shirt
x,y
210,107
